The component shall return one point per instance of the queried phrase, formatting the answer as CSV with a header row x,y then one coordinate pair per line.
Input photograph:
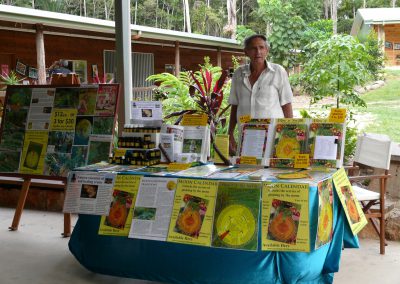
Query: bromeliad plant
x,y
202,92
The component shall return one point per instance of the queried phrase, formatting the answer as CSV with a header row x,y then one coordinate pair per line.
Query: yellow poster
x,y
33,152
63,119
352,208
193,212
222,142
119,219
194,120
285,222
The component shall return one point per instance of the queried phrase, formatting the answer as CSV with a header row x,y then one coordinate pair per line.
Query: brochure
x,y
285,221
167,142
106,101
325,213
177,130
89,193
233,172
193,212
253,141
290,140
236,215
199,171
326,143
118,221
153,208
196,142
40,109
351,206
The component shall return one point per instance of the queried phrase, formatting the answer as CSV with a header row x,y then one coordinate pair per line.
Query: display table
x,y
179,263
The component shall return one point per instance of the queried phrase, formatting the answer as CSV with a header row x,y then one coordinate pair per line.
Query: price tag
x,y
175,167
63,119
337,115
244,118
119,153
194,120
301,161
248,160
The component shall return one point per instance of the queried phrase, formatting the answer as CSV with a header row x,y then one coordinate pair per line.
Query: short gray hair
x,y
248,40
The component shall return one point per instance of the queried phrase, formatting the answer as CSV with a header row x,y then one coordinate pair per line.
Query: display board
x,y
49,130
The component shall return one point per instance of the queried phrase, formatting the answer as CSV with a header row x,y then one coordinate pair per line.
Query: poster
x,y
236,216
89,193
285,221
193,212
33,153
351,206
325,213
118,221
153,208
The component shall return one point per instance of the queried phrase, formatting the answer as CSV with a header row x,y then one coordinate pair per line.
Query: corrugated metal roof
x,y
374,16
32,16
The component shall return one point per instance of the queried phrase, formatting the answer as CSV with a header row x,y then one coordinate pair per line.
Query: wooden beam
x,y
177,59
40,55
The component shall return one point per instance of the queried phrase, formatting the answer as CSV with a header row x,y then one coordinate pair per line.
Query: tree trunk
x,y
334,16
187,16
326,8
232,20
394,3
84,8
40,55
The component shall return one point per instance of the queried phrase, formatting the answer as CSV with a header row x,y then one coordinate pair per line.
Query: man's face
x,y
257,51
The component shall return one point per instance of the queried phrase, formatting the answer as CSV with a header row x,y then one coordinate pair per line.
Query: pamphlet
x,y
351,206
196,142
233,172
33,153
153,208
193,212
285,221
325,213
118,221
290,140
236,215
326,143
89,193
177,130
167,142
199,171
253,141
40,109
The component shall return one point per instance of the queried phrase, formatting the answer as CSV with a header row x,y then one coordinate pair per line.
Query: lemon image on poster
x,y
236,225
33,155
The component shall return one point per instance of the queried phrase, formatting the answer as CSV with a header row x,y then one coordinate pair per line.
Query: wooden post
x,y
40,55
381,37
177,59
21,204
219,57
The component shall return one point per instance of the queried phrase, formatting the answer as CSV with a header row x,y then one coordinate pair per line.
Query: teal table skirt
x,y
179,263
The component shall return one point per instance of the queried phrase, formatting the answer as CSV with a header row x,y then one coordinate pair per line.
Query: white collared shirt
x,y
269,93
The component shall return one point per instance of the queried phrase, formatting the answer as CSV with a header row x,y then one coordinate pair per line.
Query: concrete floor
x,y
36,254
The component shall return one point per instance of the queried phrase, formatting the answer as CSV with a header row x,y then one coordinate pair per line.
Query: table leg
x,y
67,225
21,203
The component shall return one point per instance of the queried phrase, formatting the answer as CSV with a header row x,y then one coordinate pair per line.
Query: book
x,y
289,140
326,143
193,212
285,221
177,130
118,221
236,215
351,206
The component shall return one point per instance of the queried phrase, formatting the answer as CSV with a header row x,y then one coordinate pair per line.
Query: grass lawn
x,y
383,108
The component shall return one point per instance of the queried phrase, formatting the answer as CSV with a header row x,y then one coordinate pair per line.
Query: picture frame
x,y
32,73
95,71
396,46
21,68
388,45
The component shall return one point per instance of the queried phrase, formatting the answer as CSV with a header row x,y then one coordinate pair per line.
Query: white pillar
x,y
124,60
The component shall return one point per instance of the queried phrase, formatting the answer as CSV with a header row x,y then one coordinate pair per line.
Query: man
x,y
60,66
260,89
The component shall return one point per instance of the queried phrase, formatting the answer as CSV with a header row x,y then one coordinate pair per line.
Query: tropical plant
x,y
376,62
10,79
336,67
201,92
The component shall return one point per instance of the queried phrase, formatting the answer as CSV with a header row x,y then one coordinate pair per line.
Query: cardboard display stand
x,y
47,131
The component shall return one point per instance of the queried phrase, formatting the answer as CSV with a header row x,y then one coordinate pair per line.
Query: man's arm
x,y
287,110
231,130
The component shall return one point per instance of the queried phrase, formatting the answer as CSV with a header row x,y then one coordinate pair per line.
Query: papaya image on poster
x,y
350,205
33,155
119,210
284,221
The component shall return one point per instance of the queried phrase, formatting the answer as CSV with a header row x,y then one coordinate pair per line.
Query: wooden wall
x,y
21,45
392,35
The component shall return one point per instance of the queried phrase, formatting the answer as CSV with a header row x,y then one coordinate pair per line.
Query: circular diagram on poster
x,y
236,225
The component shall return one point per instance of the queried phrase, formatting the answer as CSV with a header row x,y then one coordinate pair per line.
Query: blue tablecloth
x,y
179,263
